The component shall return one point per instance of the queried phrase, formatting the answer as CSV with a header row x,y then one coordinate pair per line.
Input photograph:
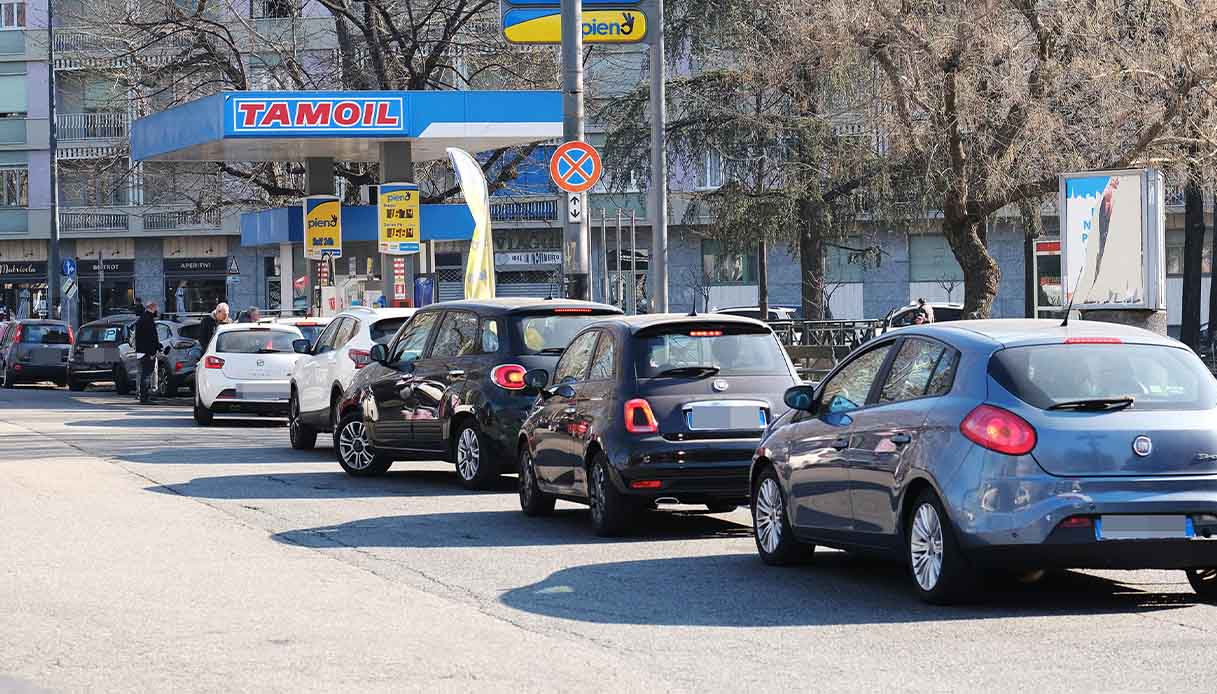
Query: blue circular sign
x,y
69,267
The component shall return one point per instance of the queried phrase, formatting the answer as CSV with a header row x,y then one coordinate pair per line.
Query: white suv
x,y
319,378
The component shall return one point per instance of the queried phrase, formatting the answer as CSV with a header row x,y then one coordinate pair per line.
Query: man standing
x,y
207,327
147,345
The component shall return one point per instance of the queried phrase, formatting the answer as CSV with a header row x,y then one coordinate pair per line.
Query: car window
x,y
729,349
349,329
255,342
573,365
848,389
603,364
458,335
328,339
190,330
100,333
944,374
382,331
490,336
162,332
912,369
45,334
550,333
414,339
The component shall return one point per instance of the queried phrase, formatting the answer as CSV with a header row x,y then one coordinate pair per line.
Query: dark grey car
x,y
176,362
32,351
1013,444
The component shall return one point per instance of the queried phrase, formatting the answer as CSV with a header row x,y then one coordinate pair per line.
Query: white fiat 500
x,y
246,370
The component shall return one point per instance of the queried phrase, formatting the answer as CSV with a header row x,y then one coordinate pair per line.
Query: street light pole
x,y
575,263
659,168
52,265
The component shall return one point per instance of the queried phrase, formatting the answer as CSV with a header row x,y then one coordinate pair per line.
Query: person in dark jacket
x,y
148,345
207,326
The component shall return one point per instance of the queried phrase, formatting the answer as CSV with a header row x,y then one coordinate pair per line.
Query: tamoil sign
x,y
397,209
322,227
314,115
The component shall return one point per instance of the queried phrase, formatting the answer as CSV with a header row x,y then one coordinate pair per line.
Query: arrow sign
x,y
574,207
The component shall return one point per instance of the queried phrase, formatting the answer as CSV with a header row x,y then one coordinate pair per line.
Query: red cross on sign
x,y
575,167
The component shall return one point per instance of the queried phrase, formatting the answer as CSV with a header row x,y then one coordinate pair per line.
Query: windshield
x,y
191,330
101,333
690,350
255,342
310,331
45,334
1156,377
552,333
384,330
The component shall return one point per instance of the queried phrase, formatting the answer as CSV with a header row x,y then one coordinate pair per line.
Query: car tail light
x,y
998,430
646,484
572,310
178,366
508,376
361,357
71,336
1077,522
213,362
639,419
1093,341
17,334
705,333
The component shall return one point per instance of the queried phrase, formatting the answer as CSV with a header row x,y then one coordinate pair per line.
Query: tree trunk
x,y
811,263
762,279
1193,253
981,274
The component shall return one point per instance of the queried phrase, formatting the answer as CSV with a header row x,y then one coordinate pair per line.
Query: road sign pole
x,y
620,282
574,238
659,168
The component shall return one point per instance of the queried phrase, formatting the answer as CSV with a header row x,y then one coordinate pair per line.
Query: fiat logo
x,y
261,362
719,385
1142,446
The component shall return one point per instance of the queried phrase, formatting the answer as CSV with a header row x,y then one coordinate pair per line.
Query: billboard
x,y
398,213
322,227
1113,239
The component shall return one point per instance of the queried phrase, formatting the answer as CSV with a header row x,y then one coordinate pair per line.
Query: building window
x,y
16,188
842,265
931,260
1174,253
262,9
12,15
711,175
722,266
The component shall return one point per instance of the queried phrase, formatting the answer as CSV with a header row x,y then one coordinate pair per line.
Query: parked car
x,y
35,350
451,385
902,316
95,355
310,328
176,363
322,375
246,370
1011,444
649,410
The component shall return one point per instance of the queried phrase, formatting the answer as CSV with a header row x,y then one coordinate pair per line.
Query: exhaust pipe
x,y
667,500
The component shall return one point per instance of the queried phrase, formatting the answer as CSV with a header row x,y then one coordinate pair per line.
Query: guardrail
x,y
524,211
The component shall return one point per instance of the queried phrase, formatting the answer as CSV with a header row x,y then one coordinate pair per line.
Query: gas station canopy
x,y
349,126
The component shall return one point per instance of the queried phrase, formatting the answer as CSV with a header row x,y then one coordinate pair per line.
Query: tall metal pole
x,y
633,266
52,263
620,281
604,281
574,237
659,168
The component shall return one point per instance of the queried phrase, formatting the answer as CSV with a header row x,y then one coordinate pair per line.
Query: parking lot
x,y
142,552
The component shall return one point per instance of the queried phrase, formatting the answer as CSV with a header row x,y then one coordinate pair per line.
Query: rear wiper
x,y
689,371
1096,404
270,351
552,350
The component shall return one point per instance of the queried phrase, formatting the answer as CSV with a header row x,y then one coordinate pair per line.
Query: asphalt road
x,y
139,552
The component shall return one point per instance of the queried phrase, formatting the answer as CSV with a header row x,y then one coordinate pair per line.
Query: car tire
x,y
122,385
940,573
303,436
202,414
721,507
611,510
354,450
10,379
533,501
165,387
76,386
1204,583
775,540
469,451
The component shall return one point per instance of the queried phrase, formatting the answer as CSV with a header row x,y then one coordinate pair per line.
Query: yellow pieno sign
x,y
544,25
322,227
398,211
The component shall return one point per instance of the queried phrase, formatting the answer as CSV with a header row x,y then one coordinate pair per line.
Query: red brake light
x,y
572,310
1077,522
213,362
1093,341
71,336
508,376
178,366
646,484
361,357
639,419
17,335
998,430
705,333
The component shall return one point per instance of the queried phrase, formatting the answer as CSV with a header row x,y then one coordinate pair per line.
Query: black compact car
x,y
95,356
451,385
646,410
35,350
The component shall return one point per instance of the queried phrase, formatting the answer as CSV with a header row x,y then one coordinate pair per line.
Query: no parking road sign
x,y
575,167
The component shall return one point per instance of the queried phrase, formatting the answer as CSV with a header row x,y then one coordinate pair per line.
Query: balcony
x,y
138,221
92,126
94,221
181,219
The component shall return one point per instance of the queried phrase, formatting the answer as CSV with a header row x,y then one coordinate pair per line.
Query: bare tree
x,y
948,285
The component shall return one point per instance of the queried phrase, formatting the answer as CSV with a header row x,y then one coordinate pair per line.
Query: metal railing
x,y
176,219
833,333
94,221
88,126
84,41
524,211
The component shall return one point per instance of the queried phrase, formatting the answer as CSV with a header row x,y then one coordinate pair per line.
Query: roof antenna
x,y
1074,294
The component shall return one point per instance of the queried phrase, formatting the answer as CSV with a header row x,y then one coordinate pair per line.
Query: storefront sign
x,y
322,227
192,266
544,25
530,240
93,268
275,115
397,209
527,258
22,270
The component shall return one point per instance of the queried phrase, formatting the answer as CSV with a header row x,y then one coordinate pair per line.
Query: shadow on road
x,y
737,590
327,485
141,416
502,529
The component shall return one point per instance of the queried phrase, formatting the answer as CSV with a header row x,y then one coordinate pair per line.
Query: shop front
x,y
106,287
23,288
195,285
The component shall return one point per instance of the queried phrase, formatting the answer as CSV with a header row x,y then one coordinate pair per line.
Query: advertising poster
x,y
322,227
397,209
1104,239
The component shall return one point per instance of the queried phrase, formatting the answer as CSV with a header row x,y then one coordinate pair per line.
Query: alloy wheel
x,y
293,417
767,515
468,454
354,447
527,479
597,492
925,547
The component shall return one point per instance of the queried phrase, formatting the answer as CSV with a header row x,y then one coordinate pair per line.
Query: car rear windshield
x,y
384,330
310,331
550,333
255,342
1157,377
725,350
45,334
100,334
191,331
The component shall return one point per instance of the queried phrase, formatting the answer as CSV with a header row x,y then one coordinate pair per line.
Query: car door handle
x,y
841,442
900,438
570,410
456,373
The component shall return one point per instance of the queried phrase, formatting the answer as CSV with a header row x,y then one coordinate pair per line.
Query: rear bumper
x,y
270,408
40,372
690,471
91,372
1085,552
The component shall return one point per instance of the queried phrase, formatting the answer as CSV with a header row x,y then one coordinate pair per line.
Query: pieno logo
x,y
601,28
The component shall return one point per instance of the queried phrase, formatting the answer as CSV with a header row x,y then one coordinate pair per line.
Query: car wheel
x,y
470,451
164,382
610,508
533,501
941,573
202,415
775,540
1204,582
303,436
9,379
76,386
122,386
721,508
354,450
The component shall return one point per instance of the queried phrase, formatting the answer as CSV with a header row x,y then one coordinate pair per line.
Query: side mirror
x,y
565,390
536,380
301,346
379,353
800,398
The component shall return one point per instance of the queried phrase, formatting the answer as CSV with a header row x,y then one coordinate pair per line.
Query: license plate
x,y
251,391
1128,527
725,417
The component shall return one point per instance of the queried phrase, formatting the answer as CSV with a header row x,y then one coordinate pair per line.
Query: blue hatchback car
x,y
1009,444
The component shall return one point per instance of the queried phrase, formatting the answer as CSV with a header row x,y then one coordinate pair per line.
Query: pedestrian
x,y
253,315
926,309
207,327
147,347
179,296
